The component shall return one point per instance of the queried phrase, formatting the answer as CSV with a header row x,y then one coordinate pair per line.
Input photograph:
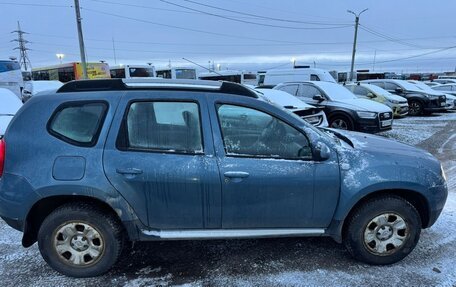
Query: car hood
x,y
364,105
378,144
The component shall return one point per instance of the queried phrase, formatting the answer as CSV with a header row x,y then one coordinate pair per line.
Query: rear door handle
x,y
129,171
236,174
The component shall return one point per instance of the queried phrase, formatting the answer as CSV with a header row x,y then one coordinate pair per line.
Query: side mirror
x,y
322,151
370,95
319,98
398,90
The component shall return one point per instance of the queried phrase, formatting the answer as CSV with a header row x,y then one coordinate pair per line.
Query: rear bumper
x,y
16,196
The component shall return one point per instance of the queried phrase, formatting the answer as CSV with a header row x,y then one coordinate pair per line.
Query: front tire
x,y
341,122
79,240
382,231
415,108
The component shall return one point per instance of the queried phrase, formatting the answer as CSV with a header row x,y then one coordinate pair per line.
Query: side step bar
x,y
232,233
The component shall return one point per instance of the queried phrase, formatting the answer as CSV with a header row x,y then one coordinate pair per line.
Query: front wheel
x,y
384,230
415,108
79,240
341,122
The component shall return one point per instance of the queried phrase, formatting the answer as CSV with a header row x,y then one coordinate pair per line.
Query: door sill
x,y
232,233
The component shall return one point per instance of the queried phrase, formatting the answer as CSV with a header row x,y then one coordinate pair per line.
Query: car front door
x,y
267,172
159,155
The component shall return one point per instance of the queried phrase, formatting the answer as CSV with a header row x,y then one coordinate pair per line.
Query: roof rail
x,y
154,84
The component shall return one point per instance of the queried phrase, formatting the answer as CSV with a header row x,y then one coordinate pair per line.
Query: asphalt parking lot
x,y
270,262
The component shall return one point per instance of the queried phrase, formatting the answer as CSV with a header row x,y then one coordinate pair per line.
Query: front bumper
x,y
400,110
436,203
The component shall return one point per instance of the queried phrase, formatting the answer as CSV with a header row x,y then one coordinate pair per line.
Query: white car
x,y
9,105
311,114
32,88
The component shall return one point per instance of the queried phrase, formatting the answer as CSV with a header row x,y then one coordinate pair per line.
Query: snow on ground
x,y
270,262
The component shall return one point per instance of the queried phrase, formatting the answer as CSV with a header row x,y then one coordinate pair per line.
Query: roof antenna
x,y
201,66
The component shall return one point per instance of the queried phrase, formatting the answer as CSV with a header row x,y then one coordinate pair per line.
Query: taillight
x,y
2,155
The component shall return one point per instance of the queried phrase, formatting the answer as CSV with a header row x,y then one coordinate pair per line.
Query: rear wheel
x,y
383,230
341,122
78,240
415,108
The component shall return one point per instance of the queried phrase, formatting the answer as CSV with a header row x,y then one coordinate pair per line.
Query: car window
x,y
78,123
378,84
164,126
314,77
308,91
291,89
358,90
252,133
390,86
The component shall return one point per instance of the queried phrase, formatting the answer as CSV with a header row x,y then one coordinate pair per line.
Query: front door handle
x,y
129,171
236,174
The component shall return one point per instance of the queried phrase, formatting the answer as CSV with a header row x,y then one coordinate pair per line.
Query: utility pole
x,y
81,39
354,41
114,50
23,59
375,56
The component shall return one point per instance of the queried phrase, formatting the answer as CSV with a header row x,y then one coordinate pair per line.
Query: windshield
x,y
408,86
378,90
423,86
6,66
335,91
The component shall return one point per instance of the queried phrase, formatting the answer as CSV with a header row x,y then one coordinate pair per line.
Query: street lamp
x,y
354,41
60,57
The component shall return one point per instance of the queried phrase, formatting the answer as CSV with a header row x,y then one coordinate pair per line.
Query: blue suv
x,y
99,163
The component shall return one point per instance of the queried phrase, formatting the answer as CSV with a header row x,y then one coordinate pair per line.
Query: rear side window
x,y
78,123
162,126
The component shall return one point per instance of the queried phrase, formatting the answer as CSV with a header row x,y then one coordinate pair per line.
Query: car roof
x,y
156,84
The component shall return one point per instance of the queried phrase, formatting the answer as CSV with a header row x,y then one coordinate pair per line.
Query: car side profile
x,y
311,114
420,101
398,104
111,161
343,109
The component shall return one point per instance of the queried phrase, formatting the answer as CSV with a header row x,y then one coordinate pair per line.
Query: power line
x,y
187,29
389,38
263,17
34,4
254,23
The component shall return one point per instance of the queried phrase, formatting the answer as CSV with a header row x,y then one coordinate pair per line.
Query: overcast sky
x,y
402,36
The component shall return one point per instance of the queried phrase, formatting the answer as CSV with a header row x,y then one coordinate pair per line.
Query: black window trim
x,y
65,105
220,103
122,135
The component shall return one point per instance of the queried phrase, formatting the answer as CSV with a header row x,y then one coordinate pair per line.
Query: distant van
x,y
277,76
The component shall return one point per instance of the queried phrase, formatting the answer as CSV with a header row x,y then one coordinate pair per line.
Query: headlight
x,y
393,101
430,97
367,115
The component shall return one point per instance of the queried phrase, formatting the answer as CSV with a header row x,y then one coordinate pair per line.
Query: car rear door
x,y
159,155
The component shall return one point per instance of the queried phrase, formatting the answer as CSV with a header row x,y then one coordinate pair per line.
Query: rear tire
x,y
341,122
79,240
382,231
